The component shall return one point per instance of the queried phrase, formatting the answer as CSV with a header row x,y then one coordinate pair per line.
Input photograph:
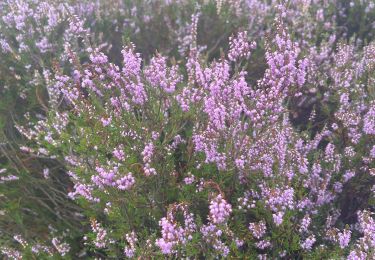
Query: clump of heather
x,y
192,157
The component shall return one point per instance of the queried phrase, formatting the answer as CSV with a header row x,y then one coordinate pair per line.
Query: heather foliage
x,y
194,129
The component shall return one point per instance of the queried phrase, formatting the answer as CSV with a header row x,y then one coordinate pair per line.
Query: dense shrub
x,y
220,129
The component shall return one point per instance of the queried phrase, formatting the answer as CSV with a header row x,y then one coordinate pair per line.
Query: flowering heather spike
x,y
101,238
344,238
132,61
240,47
278,218
258,229
159,75
130,249
125,182
174,234
369,121
147,154
220,210
308,243
62,247
305,223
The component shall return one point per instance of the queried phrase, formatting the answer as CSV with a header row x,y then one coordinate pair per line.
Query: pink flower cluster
x,y
173,233
129,250
111,178
258,229
240,47
220,210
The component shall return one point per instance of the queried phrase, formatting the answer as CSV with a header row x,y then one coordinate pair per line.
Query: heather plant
x,y
35,37
202,154
256,144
